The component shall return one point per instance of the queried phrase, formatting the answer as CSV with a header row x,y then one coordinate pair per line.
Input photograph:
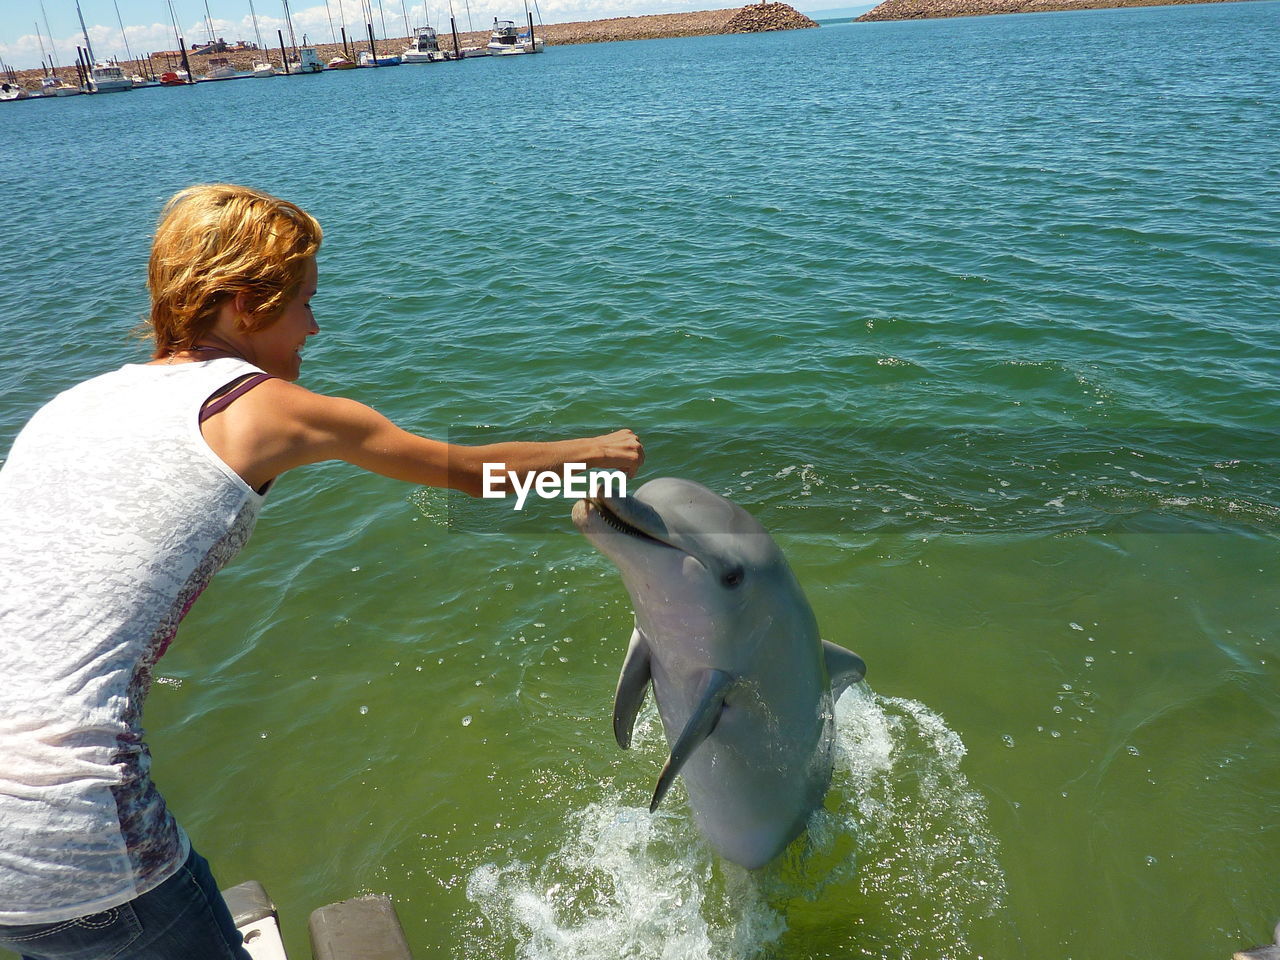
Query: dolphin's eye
x,y
733,578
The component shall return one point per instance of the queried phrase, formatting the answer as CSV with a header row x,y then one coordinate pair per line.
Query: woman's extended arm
x,y
278,426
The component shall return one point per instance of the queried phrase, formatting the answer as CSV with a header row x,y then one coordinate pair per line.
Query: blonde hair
x,y
217,241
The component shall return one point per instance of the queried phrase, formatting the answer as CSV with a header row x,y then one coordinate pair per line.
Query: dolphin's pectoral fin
x,y
715,686
632,684
843,666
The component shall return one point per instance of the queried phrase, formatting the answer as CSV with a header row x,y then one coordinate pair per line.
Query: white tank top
x,y
114,515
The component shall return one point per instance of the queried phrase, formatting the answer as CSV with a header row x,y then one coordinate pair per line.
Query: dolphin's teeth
x,y
615,521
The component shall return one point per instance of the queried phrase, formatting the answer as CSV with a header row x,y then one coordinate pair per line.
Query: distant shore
x,y
933,9
753,18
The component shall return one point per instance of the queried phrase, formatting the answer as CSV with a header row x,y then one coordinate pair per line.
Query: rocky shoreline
x,y
754,18
932,9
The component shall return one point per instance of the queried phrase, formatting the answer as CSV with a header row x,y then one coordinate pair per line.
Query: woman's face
x,y
277,349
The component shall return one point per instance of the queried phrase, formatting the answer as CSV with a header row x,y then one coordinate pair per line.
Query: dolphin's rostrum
x,y
724,634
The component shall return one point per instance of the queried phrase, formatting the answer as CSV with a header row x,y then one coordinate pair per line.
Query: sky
x,y
148,27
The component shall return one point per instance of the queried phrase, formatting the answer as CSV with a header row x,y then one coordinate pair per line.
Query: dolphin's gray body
x,y
744,685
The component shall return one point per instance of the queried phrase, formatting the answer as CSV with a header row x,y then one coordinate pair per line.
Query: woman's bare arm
x,y
278,426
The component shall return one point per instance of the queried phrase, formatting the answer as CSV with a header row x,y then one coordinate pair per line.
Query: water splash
x,y
901,850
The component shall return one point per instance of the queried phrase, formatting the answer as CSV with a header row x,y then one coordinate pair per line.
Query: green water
x,y
977,316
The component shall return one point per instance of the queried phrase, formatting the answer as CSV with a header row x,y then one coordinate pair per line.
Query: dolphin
x,y
744,685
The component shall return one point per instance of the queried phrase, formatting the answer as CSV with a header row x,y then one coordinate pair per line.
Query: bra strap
x,y
232,395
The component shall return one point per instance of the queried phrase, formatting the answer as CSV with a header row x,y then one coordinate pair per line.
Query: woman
x,y
118,502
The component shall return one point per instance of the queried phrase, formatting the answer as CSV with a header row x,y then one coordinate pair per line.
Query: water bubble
x,y
364,711
466,721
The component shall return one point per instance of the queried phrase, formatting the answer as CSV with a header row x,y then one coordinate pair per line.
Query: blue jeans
x,y
185,918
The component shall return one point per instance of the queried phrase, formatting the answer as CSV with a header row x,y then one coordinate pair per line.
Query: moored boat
x,y
175,78
11,91
55,86
220,68
506,40
341,63
308,62
369,60
264,69
425,47
108,78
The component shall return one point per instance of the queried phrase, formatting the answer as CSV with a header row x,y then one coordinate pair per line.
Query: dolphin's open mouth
x,y
612,518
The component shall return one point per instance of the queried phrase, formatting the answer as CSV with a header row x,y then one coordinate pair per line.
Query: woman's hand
x,y
620,450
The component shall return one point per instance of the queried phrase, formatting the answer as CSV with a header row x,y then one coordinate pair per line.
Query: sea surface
x,y
978,316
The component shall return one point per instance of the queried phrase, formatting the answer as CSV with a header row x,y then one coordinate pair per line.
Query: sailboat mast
x,y
40,40
329,13
257,34
208,19
84,30
288,18
120,20
53,54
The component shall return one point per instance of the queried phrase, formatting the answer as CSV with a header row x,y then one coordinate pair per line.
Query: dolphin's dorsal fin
x,y
632,684
843,666
714,687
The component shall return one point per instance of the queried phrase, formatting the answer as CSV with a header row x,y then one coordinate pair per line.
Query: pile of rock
x,y
760,17
922,9
699,23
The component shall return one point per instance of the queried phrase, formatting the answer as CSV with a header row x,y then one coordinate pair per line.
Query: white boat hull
x,y
511,49
111,86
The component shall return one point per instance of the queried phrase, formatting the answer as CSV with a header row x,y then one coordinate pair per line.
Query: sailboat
x,y
53,85
262,66
464,52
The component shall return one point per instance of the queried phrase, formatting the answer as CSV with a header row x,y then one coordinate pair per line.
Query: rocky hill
x,y
923,9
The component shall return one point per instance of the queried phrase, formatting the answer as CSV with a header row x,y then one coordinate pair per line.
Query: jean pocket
x,y
107,934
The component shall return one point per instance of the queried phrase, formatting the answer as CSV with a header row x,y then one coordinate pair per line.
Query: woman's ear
x,y
242,315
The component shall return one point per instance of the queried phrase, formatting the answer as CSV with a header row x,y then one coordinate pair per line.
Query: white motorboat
x,y
425,47
264,69
141,81
506,40
108,78
309,61
11,91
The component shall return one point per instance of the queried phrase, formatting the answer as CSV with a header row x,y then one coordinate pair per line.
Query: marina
x,y
189,63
